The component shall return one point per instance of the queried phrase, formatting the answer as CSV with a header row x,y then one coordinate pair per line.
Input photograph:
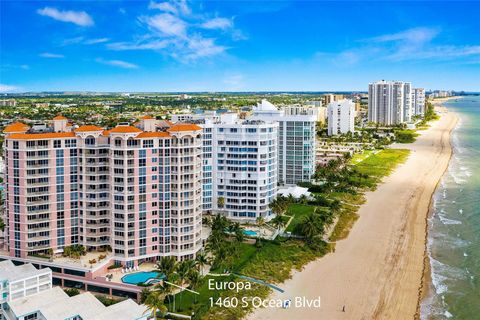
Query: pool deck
x,y
117,273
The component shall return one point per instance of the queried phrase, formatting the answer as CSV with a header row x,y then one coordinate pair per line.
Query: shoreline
x,y
426,282
381,270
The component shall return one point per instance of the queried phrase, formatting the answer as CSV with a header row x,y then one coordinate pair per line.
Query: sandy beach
x,y
376,273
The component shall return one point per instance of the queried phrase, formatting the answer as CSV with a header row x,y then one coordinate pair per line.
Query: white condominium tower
x,y
418,101
244,168
296,139
341,117
389,102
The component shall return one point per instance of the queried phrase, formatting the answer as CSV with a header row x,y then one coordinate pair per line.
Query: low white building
x,y
22,281
341,117
27,294
55,304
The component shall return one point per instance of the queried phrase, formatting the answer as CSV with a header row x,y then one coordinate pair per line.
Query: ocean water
x,y
454,228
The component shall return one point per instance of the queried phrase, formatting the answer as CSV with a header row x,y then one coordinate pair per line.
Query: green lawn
x,y
406,136
382,163
272,262
358,157
298,211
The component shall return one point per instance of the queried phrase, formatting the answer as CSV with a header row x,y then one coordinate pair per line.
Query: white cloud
x,y
152,45
117,63
8,88
175,7
202,47
408,45
416,35
217,23
80,18
70,41
51,55
177,32
95,41
166,24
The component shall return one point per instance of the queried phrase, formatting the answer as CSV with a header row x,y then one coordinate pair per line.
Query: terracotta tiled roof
x,y
88,128
153,135
16,127
125,129
32,136
60,117
147,118
184,127
106,133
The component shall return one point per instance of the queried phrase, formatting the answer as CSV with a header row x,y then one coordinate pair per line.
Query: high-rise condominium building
x,y
341,117
132,189
245,168
418,99
389,102
239,163
296,139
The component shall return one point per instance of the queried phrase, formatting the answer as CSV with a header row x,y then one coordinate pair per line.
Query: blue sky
x,y
237,45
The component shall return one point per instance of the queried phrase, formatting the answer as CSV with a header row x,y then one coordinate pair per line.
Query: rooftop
x,y
54,304
88,128
16,127
48,135
184,127
125,129
11,272
60,117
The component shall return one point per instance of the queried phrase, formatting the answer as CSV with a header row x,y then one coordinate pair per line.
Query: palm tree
x,y
335,205
194,278
221,202
278,222
202,261
260,223
239,235
303,199
311,226
167,266
155,305
144,294
183,270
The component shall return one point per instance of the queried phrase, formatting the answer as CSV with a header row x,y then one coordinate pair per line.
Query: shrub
x,y
71,291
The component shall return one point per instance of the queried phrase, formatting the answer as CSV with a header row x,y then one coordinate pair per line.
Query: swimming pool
x,y
141,277
250,233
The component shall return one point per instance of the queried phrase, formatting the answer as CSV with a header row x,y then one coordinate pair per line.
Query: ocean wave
x,y
447,221
456,177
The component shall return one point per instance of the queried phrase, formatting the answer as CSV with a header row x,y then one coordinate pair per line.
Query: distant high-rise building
x,y
418,99
389,102
330,97
408,108
341,117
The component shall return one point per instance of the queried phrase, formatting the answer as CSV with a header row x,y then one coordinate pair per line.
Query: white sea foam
x,y
447,221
